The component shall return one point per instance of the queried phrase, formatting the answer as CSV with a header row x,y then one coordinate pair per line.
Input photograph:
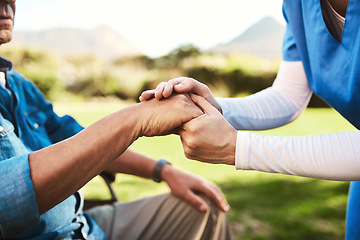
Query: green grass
x,y
263,205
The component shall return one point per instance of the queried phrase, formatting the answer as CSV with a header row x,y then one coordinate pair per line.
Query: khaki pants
x,y
162,217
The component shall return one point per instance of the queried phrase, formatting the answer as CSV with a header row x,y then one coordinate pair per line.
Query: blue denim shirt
x,y
29,124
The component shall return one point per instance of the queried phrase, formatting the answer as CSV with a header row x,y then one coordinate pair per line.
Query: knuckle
x,y
189,80
183,101
173,81
179,105
191,144
189,153
202,185
195,129
162,84
205,87
192,129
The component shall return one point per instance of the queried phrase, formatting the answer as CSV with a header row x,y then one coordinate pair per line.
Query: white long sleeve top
x,y
329,156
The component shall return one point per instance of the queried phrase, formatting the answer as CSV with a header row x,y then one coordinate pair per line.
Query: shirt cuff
x,y
18,206
225,108
242,151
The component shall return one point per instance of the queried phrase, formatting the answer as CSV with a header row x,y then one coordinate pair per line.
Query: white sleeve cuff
x,y
242,151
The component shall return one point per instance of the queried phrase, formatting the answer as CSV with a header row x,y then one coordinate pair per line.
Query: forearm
x,y
61,169
329,156
273,107
133,163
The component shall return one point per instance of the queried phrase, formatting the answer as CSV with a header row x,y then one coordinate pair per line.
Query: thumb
x,y
205,106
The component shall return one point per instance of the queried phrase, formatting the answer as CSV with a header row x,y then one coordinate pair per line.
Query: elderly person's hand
x,y
161,117
185,186
209,137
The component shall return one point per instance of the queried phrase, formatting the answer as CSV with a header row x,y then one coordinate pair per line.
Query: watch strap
x,y
156,176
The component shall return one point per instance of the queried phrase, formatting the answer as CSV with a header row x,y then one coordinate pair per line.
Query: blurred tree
x,y
90,76
206,75
177,55
141,60
39,66
239,82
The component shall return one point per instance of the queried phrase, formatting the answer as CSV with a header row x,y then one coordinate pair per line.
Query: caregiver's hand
x,y
180,85
209,137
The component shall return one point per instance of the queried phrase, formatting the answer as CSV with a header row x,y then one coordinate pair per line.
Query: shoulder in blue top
x,y
332,67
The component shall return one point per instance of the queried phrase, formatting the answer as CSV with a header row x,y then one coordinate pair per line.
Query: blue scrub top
x,y
332,68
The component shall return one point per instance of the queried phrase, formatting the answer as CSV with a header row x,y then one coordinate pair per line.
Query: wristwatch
x,y
156,176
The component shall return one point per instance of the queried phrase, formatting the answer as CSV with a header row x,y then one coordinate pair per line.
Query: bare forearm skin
x,y
61,169
132,163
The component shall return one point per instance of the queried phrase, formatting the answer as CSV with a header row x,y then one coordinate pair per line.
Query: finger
x,y
146,95
214,193
191,85
159,90
204,104
182,129
196,201
187,85
169,88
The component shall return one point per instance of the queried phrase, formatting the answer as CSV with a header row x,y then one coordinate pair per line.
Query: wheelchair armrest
x,y
108,179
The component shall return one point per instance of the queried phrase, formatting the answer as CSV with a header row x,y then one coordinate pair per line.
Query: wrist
x,y
231,148
159,172
167,172
142,119
216,105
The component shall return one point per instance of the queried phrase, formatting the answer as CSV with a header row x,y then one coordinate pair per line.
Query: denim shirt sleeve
x,y
18,207
33,125
57,128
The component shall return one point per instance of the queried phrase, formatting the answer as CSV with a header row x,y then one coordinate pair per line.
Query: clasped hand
x,y
207,137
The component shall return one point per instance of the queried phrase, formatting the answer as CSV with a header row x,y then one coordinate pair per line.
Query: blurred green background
x,y
85,77
263,206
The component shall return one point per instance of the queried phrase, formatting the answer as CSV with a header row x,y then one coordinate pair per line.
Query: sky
x,y
154,26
